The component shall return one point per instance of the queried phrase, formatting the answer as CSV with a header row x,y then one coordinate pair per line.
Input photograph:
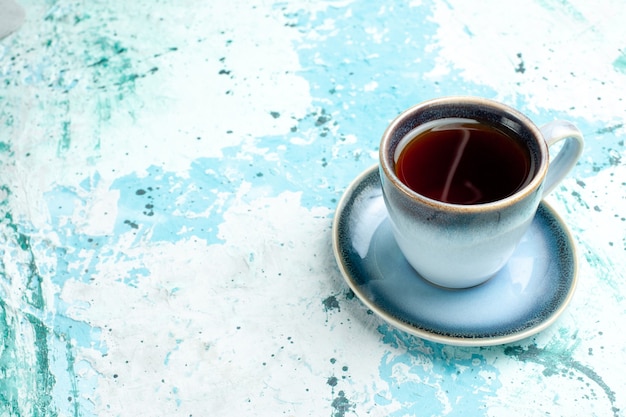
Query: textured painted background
x,y
168,177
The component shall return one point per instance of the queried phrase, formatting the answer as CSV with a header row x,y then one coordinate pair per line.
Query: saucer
x,y
525,297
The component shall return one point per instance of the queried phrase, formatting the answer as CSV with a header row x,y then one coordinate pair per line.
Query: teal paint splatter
x,y
6,148
341,405
43,377
620,63
76,408
10,379
604,269
610,129
27,266
557,361
82,63
562,6
65,139
430,370
27,380
26,369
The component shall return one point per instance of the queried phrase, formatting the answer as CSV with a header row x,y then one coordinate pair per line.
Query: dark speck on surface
x,y
520,67
131,224
331,303
341,404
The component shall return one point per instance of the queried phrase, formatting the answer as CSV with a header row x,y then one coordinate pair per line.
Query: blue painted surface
x,y
168,179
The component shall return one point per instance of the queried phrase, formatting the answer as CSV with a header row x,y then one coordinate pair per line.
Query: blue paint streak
x,y
426,378
171,207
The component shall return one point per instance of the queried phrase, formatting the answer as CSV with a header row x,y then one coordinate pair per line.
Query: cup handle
x,y
565,160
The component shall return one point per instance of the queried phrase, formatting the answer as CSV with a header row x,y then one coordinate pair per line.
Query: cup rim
x,y
386,159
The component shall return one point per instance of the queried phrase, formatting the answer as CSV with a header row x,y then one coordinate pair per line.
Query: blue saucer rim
x,y
514,336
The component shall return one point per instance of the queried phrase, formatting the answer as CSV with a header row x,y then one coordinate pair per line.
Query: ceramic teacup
x,y
462,178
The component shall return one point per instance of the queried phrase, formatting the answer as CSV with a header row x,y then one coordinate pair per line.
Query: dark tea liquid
x,y
463,162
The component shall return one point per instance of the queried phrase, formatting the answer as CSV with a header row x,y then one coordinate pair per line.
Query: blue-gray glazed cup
x,y
463,245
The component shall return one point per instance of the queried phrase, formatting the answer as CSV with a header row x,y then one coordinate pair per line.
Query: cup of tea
x,y
462,178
